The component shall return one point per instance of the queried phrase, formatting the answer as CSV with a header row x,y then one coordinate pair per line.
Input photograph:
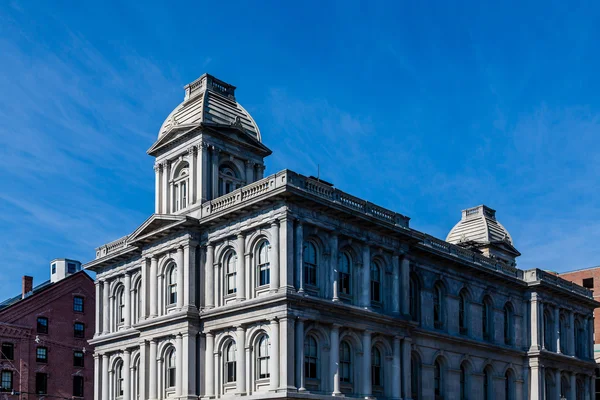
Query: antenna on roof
x,y
318,172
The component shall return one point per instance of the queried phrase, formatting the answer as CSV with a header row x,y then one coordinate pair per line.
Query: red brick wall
x,y
56,304
578,277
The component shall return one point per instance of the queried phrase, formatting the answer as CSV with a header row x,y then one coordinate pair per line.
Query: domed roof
x,y
479,224
210,101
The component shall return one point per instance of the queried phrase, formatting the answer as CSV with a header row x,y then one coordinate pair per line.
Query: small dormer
x,y
479,230
60,268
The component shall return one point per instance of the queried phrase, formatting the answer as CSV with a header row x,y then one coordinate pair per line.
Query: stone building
x,y
285,286
43,336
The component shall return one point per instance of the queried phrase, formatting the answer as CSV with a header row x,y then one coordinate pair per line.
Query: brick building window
x,y
41,383
8,351
6,381
78,358
42,325
41,354
78,386
588,283
78,330
78,304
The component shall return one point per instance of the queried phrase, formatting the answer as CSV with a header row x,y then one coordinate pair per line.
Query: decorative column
x,y
406,382
534,323
396,284
97,375
189,364
142,372
286,254
556,385
105,393
165,187
286,353
152,382
153,289
366,277
405,272
396,373
179,360
573,386
209,363
192,168
300,355
161,300
143,311
274,284
334,356
215,172
535,390
241,361
541,325
557,329
127,300
590,341
203,167
157,173
240,276
260,172
126,375
299,256
209,283
366,367
98,308
105,307
180,273
186,275
249,172
274,359
333,243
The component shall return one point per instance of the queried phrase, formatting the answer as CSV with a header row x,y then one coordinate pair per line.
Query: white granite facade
x,y
284,286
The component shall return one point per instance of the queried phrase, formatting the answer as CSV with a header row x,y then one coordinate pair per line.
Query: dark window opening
x,y
8,351
78,386
78,358
42,325
78,330
588,283
41,383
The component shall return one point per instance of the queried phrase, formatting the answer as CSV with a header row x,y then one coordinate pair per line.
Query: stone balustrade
x,y
538,275
111,247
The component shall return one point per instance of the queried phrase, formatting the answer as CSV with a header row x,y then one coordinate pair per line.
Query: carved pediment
x,y
174,133
159,225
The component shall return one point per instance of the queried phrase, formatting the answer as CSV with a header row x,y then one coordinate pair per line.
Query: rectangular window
x,y
8,351
71,268
78,330
6,381
78,304
53,268
588,283
78,386
264,274
42,325
41,383
78,358
41,355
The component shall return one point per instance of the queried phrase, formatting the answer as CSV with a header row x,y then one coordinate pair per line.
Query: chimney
x,y
27,285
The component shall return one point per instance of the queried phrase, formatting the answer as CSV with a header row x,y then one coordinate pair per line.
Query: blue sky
x,y
424,108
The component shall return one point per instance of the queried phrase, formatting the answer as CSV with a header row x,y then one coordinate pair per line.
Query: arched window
x,y
138,302
462,316
487,384
120,305
345,363
229,180
310,358
438,379
486,319
547,330
509,385
414,297
376,370
344,274
230,265
438,296
375,283
171,375
310,263
564,387
463,382
262,358
119,379
230,363
562,333
263,265
508,324
415,374
172,284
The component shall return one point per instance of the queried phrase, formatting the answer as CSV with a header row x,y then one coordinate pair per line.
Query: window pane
x,y
78,304
42,325
41,383
6,382
8,351
78,330
78,386
41,354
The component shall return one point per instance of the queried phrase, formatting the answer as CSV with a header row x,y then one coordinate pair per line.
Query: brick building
x,y
44,333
